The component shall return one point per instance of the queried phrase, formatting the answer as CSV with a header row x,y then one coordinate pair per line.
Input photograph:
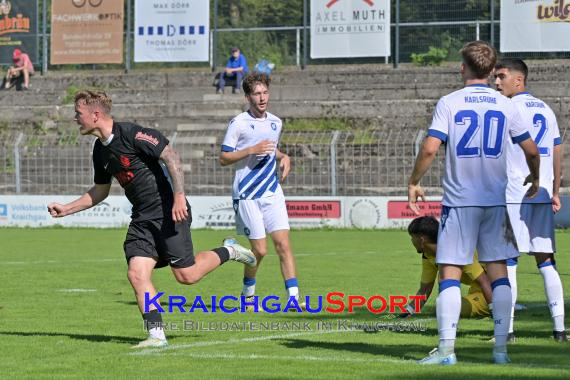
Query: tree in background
x,y
276,46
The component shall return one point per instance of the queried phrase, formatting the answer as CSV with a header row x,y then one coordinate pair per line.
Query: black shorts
x,y
168,242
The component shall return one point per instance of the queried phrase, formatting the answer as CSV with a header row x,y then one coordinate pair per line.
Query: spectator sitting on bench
x,y
20,73
236,68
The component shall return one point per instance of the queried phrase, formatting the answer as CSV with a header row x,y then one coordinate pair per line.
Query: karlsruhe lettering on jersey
x,y
350,28
87,31
538,25
543,128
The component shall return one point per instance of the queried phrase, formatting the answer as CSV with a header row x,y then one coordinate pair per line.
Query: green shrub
x,y
433,57
69,97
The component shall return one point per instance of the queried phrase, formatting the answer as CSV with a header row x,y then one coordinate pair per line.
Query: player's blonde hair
x,y
479,57
97,99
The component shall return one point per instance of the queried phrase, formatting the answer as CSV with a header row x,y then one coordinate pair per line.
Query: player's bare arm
x,y
425,289
262,148
172,161
485,285
557,164
533,161
93,196
284,163
423,162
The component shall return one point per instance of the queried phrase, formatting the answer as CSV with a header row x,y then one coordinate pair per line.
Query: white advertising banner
x,y
218,212
31,211
535,25
172,31
350,28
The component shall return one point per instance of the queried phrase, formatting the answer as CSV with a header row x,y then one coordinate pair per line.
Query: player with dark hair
x,y
251,144
475,123
533,218
159,233
423,232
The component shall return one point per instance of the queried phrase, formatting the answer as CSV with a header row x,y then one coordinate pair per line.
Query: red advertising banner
x,y
401,210
314,209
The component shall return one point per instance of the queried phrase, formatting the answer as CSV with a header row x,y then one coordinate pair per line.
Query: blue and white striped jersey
x,y
541,122
256,176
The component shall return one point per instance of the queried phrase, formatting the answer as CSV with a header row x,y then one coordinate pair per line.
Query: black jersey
x,y
132,157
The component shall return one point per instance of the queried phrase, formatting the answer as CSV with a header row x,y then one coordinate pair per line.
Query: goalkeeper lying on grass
x,y
475,304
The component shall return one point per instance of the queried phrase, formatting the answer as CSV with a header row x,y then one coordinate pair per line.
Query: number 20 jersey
x,y
475,123
541,123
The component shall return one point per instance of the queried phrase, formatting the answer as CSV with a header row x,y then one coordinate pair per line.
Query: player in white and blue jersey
x,y
533,219
251,144
474,123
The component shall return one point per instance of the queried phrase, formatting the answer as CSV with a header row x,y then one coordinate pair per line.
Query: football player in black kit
x,y
159,233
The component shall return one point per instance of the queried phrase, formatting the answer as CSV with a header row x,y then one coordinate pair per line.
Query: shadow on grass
x,y
396,351
546,356
91,338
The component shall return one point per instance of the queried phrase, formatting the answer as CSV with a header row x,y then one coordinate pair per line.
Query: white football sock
x,y
292,287
448,306
248,290
554,295
232,251
248,286
293,292
512,273
502,303
157,333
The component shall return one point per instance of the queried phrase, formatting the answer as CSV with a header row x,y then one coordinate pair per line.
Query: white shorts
x,y
533,226
464,229
256,216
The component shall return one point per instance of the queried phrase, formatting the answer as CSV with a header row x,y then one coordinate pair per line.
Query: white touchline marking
x,y
327,358
168,350
260,338
330,254
229,341
335,358
77,290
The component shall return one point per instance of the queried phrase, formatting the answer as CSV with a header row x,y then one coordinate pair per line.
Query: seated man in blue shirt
x,y
236,68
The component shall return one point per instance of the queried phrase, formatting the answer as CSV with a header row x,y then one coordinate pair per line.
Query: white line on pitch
x,y
258,339
329,358
303,357
231,341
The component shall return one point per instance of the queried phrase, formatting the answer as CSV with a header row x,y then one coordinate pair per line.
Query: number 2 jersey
x,y
475,123
541,122
256,176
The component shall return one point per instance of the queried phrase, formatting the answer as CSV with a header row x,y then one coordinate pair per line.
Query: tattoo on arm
x,y
174,166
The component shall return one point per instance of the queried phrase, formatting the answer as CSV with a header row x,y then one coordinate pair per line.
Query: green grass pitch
x,y
67,311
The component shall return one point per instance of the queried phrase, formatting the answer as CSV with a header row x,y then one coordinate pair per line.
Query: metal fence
x,y
373,162
415,27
